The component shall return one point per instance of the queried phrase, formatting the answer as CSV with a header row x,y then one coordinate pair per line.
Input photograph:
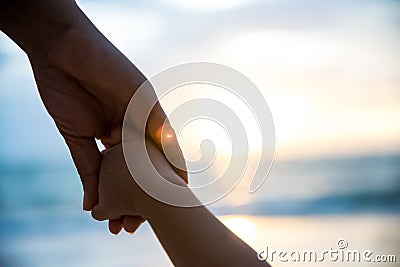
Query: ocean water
x,y
369,184
42,222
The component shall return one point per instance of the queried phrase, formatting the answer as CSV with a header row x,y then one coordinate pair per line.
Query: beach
x,y
96,247
326,72
376,233
303,206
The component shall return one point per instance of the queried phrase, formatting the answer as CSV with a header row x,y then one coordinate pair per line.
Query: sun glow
x,y
242,227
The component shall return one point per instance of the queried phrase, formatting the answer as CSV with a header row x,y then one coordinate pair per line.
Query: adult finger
x,y
86,157
132,223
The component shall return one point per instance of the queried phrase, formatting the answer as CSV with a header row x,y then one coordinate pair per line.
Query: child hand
x,y
120,196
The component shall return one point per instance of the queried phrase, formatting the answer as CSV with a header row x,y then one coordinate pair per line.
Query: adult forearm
x,y
58,33
35,25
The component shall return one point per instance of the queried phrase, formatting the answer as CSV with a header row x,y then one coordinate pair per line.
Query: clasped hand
x,y
86,84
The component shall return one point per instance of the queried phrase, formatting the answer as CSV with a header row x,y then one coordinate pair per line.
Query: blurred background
x,y
330,72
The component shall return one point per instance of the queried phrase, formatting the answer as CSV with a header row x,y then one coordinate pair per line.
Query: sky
x,y
329,70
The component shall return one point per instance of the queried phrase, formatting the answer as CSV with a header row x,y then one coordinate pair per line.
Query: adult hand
x,y
84,81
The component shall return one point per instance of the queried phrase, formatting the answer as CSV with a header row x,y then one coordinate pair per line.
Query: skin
x,y
84,82
190,236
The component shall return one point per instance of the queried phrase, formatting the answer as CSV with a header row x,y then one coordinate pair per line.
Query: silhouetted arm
x,y
190,236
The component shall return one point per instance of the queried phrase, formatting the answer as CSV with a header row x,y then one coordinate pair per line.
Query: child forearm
x,y
191,236
194,237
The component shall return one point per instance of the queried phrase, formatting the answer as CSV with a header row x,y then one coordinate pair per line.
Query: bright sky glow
x,y
242,227
329,72
206,5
